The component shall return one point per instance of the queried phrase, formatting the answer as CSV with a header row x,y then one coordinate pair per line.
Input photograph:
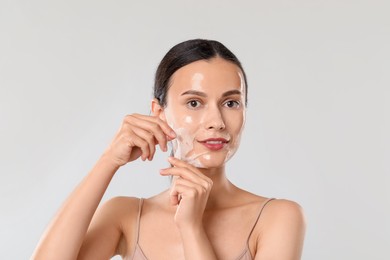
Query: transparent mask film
x,y
182,147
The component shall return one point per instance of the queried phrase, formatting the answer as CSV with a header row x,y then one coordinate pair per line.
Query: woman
x,y
199,107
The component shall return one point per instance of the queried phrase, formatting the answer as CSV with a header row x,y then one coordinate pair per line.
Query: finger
x,y
151,126
167,134
176,193
136,141
163,124
182,164
181,191
149,138
180,172
187,183
187,175
174,197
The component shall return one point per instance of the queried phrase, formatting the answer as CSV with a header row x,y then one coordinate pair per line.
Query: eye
x,y
232,104
193,103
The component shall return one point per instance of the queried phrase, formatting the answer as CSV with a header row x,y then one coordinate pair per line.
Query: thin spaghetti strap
x,y
258,217
141,201
138,224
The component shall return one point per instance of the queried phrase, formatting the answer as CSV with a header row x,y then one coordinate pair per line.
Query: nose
x,y
214,119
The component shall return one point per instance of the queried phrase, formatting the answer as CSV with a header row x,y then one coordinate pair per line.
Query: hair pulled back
x,y
185,53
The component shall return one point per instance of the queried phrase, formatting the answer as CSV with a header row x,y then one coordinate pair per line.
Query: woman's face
x,y
206,108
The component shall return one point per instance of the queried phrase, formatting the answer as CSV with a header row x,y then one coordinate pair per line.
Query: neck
x,y
222,187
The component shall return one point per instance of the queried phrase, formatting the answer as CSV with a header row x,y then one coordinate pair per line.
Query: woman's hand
x,y
138,137
190,191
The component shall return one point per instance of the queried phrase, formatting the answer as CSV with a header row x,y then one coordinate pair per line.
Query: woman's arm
x,y
196,244
282,231
190,192
66,234
105,236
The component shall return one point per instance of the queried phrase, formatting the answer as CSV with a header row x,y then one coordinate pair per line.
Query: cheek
x,y
189,122
176,117
236,121
236,128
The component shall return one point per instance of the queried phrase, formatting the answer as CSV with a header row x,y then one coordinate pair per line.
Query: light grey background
x,y
318,118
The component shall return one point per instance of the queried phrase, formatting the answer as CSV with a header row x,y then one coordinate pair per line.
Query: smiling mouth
x,y
214,144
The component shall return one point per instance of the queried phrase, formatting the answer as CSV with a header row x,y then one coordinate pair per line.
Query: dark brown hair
x,y
185,53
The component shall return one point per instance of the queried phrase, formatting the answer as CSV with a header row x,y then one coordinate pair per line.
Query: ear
x,y
157,109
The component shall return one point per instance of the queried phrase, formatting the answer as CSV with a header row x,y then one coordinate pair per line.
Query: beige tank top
x,y
138,254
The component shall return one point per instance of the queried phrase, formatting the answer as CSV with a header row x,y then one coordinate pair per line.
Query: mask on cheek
x,y
186,146
182,146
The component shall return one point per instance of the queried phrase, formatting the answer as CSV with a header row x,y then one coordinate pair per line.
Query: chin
x,y
210,161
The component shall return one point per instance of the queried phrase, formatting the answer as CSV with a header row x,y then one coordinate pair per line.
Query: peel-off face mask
x,y
183,145
188,144
205,108
182,148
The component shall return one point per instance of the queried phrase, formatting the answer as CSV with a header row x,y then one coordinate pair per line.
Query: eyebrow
x,y
231,92
202,94
194,92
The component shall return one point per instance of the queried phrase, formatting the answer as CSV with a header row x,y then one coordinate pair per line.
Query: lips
x,y
214,144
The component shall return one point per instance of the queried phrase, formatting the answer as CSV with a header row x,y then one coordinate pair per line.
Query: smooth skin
x,y
202,215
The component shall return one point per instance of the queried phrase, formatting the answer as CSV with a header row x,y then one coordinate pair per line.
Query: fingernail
x,y
172,134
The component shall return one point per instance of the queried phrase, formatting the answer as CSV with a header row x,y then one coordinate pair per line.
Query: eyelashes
x,y
193,103
230,103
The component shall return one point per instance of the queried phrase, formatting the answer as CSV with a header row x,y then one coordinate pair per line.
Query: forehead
x,y
207,75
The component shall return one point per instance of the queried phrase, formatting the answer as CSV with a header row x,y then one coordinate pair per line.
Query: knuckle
x,y
150,138
128,118
207,184
157,119
192,192
131,117
161,137
124,137
155,127
141,144
129,139
203,190
144,146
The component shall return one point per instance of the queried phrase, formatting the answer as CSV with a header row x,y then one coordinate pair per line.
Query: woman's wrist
x,y
107,164
189,226
196,243
191,231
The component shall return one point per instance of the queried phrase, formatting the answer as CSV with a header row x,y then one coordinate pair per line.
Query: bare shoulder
x,y
121,210
281,215
276,209
117,211
282,230
273,209
122,204
111,227
284,209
